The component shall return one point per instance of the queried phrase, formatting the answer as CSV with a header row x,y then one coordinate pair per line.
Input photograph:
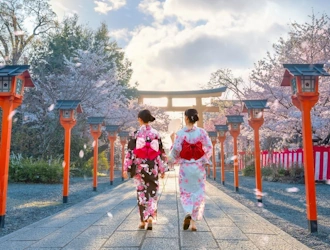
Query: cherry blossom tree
x,y
15,38
306,43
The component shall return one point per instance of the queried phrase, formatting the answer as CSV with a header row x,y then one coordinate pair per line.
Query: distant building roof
x,y
17,70
235,118
95,119
254,104
292,70
69,104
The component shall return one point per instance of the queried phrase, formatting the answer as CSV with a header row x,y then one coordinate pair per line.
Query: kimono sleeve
x,y
207,144
129,157
162,157
176,148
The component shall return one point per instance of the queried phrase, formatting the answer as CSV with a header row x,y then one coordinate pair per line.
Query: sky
x,y
177,44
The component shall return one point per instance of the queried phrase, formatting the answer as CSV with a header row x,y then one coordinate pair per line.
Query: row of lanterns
x,y
68,110
13,80
303,80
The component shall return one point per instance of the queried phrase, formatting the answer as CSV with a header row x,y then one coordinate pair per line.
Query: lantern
x,y
13,80
255,109
68,110
304,80
112,132
234,122
95,123
213,137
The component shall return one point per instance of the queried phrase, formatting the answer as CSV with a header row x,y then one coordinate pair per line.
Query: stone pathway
x,y
109,221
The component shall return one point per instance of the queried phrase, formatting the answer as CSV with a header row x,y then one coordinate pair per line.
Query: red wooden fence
x,y
289,158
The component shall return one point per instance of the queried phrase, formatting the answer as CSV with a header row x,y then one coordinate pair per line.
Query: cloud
x,y
104,7
204,51
61,6
171,56
120,34
154,8
186,11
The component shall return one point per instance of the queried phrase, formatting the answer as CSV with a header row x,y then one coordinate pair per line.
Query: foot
x,y
186,222
149,224
193,226
142,225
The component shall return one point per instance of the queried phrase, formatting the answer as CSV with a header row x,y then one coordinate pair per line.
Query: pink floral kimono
x,y
147,158
192,174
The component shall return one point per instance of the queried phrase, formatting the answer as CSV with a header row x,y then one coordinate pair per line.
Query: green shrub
x,y
296,171
267,171
283,172
87,168
34,170
249,171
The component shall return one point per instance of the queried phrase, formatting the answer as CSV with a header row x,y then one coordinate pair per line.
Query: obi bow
x,y
192,151
146,150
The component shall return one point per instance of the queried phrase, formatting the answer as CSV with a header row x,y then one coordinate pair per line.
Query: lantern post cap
x,y
293,70
123,134
221,128
111,128
95,120
17,70
212,134
235,119
254,104
69,105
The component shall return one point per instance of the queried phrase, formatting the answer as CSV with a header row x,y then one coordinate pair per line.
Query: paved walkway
x,y
109,221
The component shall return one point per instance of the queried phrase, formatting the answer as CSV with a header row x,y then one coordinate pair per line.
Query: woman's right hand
x,y
125,176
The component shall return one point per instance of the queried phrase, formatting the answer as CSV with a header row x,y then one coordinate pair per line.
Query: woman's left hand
x,y
172,137
162,175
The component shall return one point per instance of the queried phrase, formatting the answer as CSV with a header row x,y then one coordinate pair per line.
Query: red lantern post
x,y
68,110
96,131
112,136
213,136
123,140
222,129
234,122
304,80
255,109
13,80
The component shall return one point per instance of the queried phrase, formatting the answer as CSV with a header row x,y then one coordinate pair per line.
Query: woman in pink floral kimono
x,y
143,161
192,149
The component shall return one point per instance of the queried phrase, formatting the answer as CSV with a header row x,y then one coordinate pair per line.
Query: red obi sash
x,y
192,151
146,150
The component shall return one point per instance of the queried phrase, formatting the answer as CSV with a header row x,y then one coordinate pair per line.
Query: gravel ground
x,y
28,203
283,207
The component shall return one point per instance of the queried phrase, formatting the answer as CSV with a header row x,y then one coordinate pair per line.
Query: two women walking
x,y
191,149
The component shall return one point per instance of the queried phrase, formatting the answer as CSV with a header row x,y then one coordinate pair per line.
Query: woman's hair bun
x,y
192,115
146,116
151,118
